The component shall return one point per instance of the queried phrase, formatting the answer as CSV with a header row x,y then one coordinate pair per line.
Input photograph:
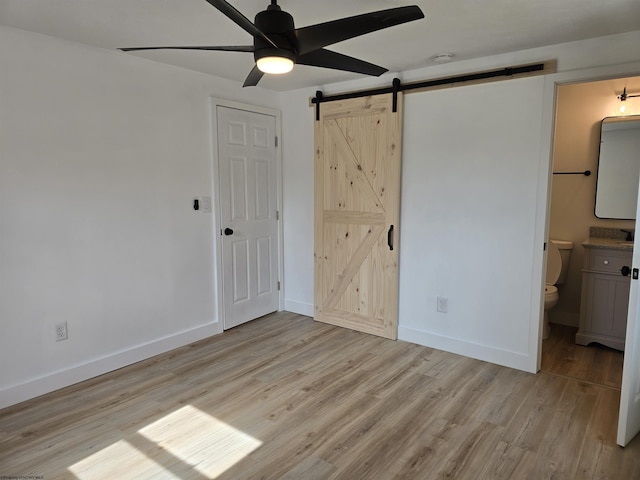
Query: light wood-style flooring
x,y
287,397
595,364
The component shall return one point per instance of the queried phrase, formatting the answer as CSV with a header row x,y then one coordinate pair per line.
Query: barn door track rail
x,y
479,77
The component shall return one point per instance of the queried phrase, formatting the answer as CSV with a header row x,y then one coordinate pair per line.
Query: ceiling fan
x,y
278,45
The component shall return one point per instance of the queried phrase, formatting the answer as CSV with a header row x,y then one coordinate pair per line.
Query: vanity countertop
x,y
616,244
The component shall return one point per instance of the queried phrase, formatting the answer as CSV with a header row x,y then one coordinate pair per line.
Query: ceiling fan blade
x,y
320,35
242,21
229,48
253,78
338,61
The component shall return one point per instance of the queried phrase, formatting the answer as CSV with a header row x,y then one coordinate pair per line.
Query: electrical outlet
x,y
442,304
61,331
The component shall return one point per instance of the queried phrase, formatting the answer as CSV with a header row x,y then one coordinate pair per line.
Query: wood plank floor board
x,y
312,422
371,432
599,455
314,355
421,456
322,392
307,409
43,434
566,433
508,461
287,397
334,445
438,364
311,468
463,395
504,396
58,406
469,458
527,428
594,363
307,433
407,360
55,451
377,455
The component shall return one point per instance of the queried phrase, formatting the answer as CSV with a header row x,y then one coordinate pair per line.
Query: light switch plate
x,y
206,204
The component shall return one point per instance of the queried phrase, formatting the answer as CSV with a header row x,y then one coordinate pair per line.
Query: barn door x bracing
x,y
357,200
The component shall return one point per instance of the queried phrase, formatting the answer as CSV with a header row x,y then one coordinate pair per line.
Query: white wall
x,y
297,154
469,196
475,181
101,154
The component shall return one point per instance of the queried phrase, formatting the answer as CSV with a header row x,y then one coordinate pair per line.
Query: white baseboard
x,y
485,353
99,366
299,307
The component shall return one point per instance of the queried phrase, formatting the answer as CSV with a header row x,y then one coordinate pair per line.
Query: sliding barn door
x,y
357,199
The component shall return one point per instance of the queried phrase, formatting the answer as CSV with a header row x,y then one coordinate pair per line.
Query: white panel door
x,y
248,216
629,417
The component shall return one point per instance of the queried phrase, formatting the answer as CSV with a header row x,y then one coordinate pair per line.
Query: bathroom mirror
x,y
618,168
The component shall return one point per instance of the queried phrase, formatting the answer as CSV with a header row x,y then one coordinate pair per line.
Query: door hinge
x,y
277,215
276,140
278,284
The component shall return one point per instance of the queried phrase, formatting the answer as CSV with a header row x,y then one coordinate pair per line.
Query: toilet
x,y
559,252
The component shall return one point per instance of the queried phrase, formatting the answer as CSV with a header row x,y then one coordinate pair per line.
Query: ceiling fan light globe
x,y
275,65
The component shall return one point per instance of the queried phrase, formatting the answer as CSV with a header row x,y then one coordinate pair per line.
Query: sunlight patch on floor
x,y
119,460
182,442
205,442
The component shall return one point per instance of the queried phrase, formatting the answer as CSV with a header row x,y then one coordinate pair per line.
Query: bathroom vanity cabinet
x,y
606,279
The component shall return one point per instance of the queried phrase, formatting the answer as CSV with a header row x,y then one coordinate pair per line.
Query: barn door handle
x,y
390,237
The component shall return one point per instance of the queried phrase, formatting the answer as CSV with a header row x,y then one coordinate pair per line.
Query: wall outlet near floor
x,y
61,331
442,304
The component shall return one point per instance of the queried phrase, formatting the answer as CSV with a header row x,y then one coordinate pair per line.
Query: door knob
x,y
228,231
625,271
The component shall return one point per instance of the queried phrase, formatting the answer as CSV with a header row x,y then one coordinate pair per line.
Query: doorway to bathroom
x,y
580,108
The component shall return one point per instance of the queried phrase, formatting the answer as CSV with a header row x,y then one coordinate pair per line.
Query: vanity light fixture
x,y
622,106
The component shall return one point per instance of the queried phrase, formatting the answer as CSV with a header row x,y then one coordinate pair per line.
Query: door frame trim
x,y
215,194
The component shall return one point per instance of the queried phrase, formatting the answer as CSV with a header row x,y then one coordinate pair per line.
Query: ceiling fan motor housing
x,y
279,27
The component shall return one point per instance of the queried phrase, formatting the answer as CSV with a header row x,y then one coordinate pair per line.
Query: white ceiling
x,y
466,28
